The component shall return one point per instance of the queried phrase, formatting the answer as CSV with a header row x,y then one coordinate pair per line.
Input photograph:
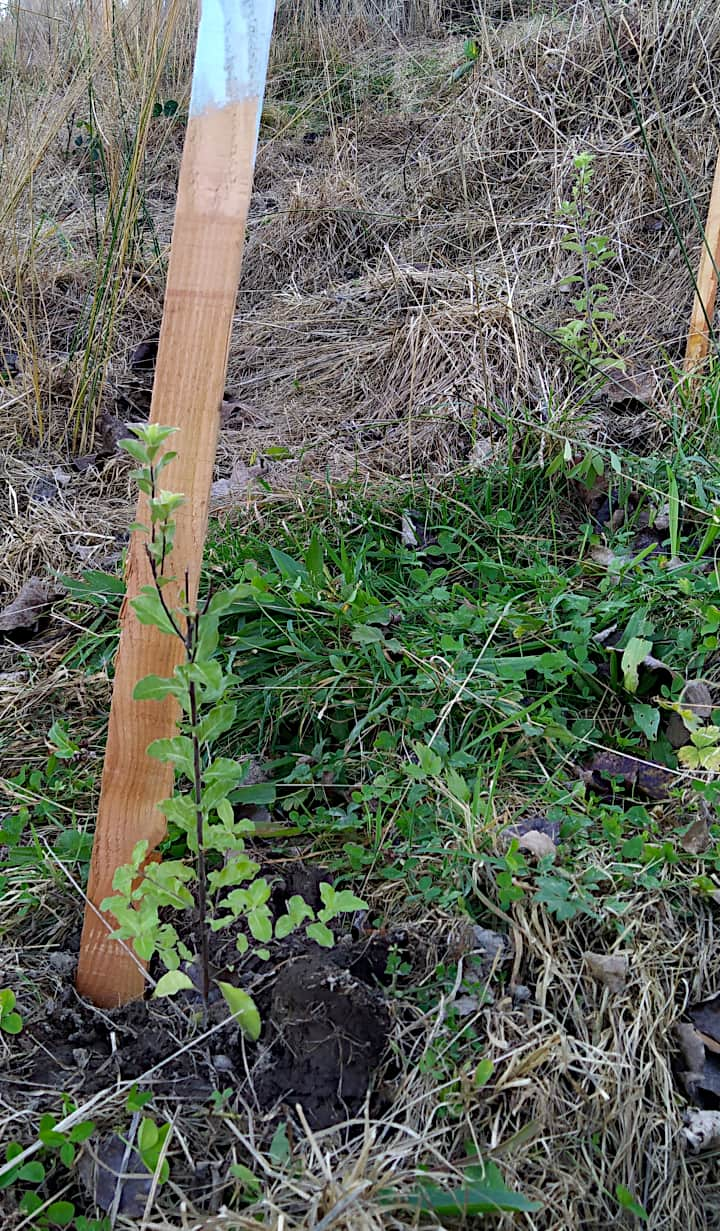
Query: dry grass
x,y
402,281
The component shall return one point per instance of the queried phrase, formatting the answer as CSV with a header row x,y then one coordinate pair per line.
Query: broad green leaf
x,y
216,721
178,751
259,793
485,1192
367,634
289,569
243,1009
634,654
32,1172
156,688
430,762
336,902
149,610
647,719
12,1023
135,448
60,1213
320,934
171,982
7,1000
260,923
235,872
280,1146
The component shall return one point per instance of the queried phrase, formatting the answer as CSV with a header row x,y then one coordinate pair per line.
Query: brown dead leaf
x,y
538,844
700,1074
145,354
535,833
116,1177
705,1017
610,969
697,699
696,838
227,494
702,1130
24,614
644,777
602,556
625,389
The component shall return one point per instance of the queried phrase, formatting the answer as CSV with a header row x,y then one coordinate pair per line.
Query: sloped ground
x,y
402,280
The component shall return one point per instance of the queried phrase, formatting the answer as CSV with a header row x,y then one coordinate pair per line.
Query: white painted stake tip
x,y
232,52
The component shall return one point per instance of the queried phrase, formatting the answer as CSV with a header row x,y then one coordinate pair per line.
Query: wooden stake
x,y
698,342
211,211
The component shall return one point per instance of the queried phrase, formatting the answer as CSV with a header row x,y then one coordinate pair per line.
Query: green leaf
x,y
7,1000
32,1173
634,654
320,934
259,793
156,688
216,721
367,634
178,751
60,1213
336,902
12,1023
628,1202
290,570
297,911
280,1146
135,448
147,1135
483,1073
485,1192
171,982
137,1099
315,560
60,741
243,1009
430,762
149,610
647,720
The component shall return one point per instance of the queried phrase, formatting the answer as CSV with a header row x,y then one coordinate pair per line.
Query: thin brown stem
x,y
202,926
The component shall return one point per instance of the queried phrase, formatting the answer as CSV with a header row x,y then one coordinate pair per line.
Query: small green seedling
x,y
221,883
10,1021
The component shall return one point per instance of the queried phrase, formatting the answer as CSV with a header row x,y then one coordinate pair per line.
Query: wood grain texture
x,y
698,342
203,274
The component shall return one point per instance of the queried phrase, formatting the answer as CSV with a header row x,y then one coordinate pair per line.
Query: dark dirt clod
x,y
330,1032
